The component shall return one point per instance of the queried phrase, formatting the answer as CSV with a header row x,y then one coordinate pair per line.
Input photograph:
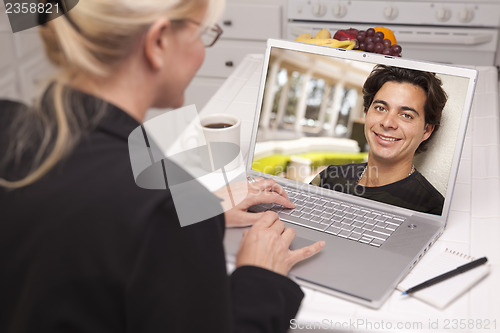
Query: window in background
x,y
327,108
347,104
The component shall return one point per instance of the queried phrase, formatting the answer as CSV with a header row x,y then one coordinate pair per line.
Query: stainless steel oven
x,y
458,31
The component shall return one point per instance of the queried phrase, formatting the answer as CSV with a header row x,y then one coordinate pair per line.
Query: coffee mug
x,y
222,136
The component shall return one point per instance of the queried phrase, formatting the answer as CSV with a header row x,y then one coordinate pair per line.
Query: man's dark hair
x,y
436,96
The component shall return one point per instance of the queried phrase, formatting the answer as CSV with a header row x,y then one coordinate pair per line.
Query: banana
x,y
323,37
354,43
303,37
345,44
323,34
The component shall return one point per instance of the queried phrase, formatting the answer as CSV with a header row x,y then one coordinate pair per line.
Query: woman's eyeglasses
x,y
210,35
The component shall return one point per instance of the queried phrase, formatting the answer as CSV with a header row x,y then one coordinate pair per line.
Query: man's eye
x,y
379,108
407,116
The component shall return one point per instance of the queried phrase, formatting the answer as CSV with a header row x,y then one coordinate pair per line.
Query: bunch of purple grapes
x,y
372,41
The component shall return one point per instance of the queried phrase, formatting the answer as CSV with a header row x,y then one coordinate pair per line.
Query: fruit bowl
x,y
376,40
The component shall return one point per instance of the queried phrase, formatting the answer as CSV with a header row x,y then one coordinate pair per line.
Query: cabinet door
x,y
4,19
34,75
8,80
28,43
252,21
8,85
7,51
222,59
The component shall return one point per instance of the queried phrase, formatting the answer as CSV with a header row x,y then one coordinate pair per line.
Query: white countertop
x,y
473,226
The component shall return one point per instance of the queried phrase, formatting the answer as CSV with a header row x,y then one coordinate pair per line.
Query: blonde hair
x,y
90,41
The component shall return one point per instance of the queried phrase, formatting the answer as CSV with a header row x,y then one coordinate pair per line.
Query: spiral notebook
x,y
443,293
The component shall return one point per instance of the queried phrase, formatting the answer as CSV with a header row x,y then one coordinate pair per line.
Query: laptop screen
x,y
383,128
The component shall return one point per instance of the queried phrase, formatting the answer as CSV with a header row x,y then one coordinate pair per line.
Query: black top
x,y
86,250
413,192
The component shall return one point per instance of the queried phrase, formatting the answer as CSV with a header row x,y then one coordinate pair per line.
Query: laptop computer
x,y
309,101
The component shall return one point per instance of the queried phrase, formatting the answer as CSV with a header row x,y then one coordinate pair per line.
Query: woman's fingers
x,y
260,192
288,236
267,245
268,191
268,197
305,252
269,185
248,219
302,253
244,234
278,226
267,220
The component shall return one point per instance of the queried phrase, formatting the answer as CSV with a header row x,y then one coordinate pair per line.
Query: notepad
x,y
443,293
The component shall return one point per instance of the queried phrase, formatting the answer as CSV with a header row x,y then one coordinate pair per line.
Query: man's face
x,y
395,122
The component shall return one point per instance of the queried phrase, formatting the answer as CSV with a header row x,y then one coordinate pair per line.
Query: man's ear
x,y
428,129
156,43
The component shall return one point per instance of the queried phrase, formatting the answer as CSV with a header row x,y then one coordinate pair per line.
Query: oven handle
x,y
440,38
444,38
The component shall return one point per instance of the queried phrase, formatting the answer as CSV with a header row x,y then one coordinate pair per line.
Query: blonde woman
x,y
86,250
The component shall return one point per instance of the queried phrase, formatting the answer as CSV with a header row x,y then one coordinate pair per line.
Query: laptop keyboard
x,y
337,218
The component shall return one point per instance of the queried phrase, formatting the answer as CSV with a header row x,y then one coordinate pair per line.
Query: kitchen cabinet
x,y
24,67
247,25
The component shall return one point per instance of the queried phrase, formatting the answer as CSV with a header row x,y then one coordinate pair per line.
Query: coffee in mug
x,y
218,125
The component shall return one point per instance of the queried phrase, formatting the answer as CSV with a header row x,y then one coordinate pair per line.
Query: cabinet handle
x,y
229,63
227,23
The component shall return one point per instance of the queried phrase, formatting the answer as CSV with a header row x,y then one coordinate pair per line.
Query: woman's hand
x,y
267,244
259,192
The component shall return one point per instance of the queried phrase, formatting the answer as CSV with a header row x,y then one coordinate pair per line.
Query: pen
x,y
447,275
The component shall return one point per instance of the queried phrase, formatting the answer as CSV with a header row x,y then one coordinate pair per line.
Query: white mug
x,y
222,135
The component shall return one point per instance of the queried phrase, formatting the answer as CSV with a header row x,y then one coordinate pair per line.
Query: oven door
x,y
471,46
